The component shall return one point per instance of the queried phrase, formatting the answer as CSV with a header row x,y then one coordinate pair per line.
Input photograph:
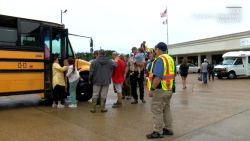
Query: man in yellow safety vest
x,y
160,84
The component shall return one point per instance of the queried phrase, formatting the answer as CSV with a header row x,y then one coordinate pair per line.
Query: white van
x,y
236,63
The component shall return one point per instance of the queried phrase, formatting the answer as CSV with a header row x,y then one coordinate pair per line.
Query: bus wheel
x,y
84,91
232,75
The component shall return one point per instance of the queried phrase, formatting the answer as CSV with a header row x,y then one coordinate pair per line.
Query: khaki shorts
x,y
118,88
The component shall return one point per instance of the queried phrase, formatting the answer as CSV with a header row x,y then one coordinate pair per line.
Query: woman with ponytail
x,y
73,76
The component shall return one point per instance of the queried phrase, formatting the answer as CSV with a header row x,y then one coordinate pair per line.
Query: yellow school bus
x,y
26,48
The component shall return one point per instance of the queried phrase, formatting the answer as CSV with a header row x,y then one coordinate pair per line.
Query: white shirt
x,y
73,76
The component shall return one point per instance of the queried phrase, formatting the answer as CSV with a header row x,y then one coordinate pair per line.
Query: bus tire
x,y
84,91
232,75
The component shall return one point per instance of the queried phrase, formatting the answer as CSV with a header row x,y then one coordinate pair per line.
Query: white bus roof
x,y
236,54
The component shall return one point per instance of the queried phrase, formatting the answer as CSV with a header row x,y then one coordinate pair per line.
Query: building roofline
x,y
212,39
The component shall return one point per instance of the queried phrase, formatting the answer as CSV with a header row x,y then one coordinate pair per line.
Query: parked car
x,y
192,68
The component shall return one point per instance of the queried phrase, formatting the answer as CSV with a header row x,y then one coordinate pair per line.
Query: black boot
x,y
103,102
167,132
154,135
94,101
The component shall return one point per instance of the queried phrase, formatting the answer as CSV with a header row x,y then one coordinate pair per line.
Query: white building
x,y
210,48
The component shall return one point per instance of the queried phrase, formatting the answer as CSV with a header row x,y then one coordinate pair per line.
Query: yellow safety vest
x,y
168,73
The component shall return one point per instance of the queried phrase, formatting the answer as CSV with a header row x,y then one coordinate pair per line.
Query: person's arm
x,y
58,67
114,64
127,67
157,75
180,68
156,82
91,72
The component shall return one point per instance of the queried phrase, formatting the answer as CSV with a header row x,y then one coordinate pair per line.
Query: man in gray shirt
x,y
100,74
204,71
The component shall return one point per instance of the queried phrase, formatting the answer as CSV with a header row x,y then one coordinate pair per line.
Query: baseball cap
x,y
162,46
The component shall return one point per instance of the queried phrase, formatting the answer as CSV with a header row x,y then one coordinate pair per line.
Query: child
x,y
139,58
73,76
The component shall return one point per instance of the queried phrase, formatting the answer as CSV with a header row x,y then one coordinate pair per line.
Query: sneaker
x,y
154,135
54,105
134,102
60,106
167,132
143,101
72,106
117,105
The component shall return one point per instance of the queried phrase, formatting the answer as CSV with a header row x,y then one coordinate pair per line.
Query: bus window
x,y
30,33
56,43
238,61
8,31
8,36
47,47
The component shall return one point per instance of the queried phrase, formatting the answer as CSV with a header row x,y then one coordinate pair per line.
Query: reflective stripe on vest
x,y
167,83
168,73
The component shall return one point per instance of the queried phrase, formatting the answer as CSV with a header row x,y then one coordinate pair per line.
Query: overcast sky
x,y
121,24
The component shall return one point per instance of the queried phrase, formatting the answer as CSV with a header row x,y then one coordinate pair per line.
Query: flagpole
x,y
165,14
167,24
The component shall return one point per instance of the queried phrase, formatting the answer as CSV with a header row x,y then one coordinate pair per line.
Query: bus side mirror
x,y
91,45
91,42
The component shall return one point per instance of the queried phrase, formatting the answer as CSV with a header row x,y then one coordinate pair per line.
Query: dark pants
x,y
58,93
137,78
211,74
204,78
126,88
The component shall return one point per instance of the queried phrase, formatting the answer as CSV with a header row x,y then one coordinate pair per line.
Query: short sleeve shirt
x,y
158,68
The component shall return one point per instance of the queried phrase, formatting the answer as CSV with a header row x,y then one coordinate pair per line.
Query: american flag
x,y
164,14
165,22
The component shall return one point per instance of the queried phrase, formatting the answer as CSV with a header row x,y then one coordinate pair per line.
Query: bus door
x,y
54,43
239,66
46,34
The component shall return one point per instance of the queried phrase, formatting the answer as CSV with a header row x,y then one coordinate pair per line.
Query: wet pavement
x,y
219,111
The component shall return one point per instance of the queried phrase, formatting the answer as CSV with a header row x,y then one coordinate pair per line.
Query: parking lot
x,y
218,111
